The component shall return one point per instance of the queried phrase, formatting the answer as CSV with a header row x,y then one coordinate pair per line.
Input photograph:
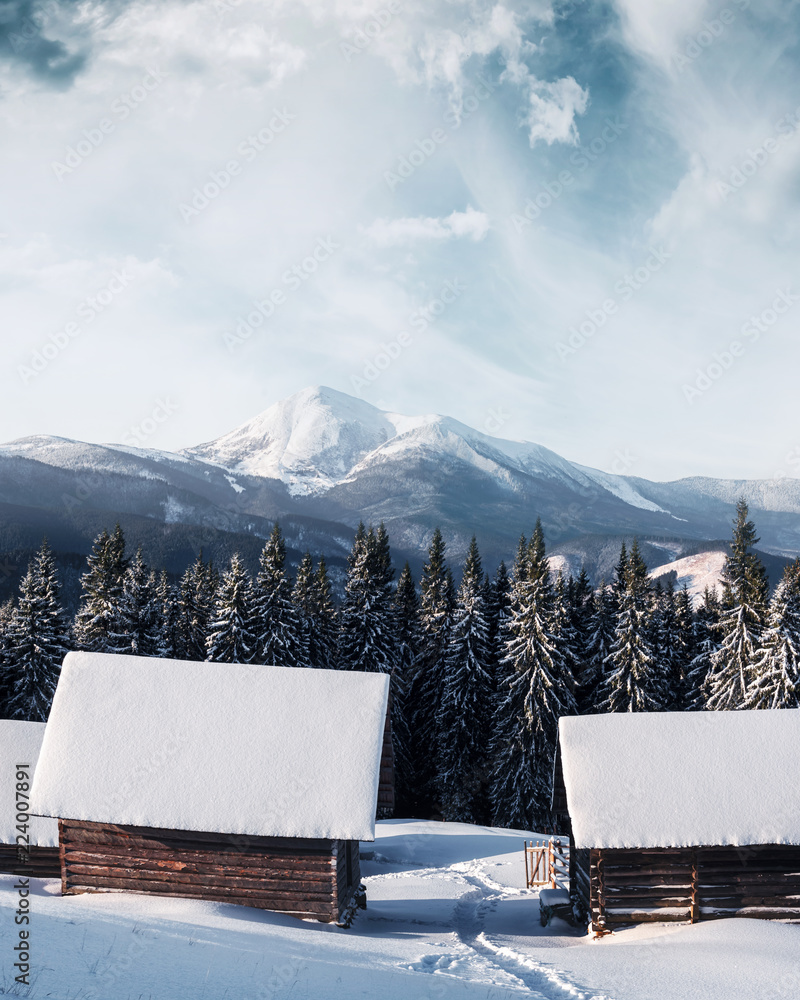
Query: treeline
x,y
481,673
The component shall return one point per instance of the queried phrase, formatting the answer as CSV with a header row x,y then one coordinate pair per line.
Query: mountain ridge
x,y
321,461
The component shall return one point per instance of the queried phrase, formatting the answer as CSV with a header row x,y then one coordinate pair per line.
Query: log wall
x,y
304,878
693,883
41,862
385,809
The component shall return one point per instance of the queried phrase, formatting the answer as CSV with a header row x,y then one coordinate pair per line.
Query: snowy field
x,y
447,917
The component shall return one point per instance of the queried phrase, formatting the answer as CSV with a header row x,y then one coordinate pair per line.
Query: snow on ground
x,y
448,917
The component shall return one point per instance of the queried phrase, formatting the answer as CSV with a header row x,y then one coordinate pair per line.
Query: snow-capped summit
x,y
320,438
310,441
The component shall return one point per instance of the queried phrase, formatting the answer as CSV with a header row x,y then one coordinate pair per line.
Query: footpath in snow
x,y
448,917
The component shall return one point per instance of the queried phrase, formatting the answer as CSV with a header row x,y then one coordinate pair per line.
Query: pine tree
x,y
367,638
435,615
139,612
311,597
231,638
498,609
670,646
600,641
38,638
687,643
327,633
634,680
167,619
406,609
464,719
539,692
744,605
6,664
98,624
581,605
563,628
776,666
195,605
280,636
620,584
706,628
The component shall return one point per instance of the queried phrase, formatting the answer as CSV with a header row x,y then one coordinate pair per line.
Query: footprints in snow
x,y
482,959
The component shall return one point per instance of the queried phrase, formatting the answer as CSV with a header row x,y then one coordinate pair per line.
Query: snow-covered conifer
x,y
280,637
98,624
38,638
776,666
139,612
230,638
744,606
537,693
464,719
367,635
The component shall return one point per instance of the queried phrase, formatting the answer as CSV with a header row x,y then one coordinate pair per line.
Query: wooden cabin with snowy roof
x,y
228,782
28,844
684,816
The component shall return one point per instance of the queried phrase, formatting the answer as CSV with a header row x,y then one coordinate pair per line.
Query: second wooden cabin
x,y
683,816
228,782
28,844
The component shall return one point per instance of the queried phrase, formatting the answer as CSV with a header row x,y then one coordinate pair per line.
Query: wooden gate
x,y
547,864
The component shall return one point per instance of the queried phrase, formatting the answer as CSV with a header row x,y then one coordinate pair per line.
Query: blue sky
x,y
572,223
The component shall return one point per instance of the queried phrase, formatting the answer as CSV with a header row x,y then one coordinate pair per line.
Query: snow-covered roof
x,y
20,743
683,779
215,747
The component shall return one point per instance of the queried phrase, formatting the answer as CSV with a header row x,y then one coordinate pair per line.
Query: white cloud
x,y
657,29
553,109
393,232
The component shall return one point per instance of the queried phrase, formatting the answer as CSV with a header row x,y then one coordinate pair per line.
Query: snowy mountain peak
x,y
310,441
320,438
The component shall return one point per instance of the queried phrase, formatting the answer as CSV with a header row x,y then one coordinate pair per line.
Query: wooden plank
x,y
233,842
191,860
155,885
311,889
292,908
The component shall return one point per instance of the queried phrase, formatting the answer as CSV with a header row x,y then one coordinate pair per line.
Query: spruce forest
x,y
481,672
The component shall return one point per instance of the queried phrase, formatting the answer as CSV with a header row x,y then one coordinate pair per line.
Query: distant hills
x,y
322,460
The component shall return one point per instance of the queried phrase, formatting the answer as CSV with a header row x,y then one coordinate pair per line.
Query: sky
x,y
573,223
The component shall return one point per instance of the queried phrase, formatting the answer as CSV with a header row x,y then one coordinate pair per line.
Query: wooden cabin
x,y
28,845
228,782
683,816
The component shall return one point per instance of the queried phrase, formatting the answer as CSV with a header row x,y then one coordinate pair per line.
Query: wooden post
x,y
61,858
525,850
695,910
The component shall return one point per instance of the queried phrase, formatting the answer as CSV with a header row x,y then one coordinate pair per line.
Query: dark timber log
x,y
36,862
636,886
386,797
307,878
